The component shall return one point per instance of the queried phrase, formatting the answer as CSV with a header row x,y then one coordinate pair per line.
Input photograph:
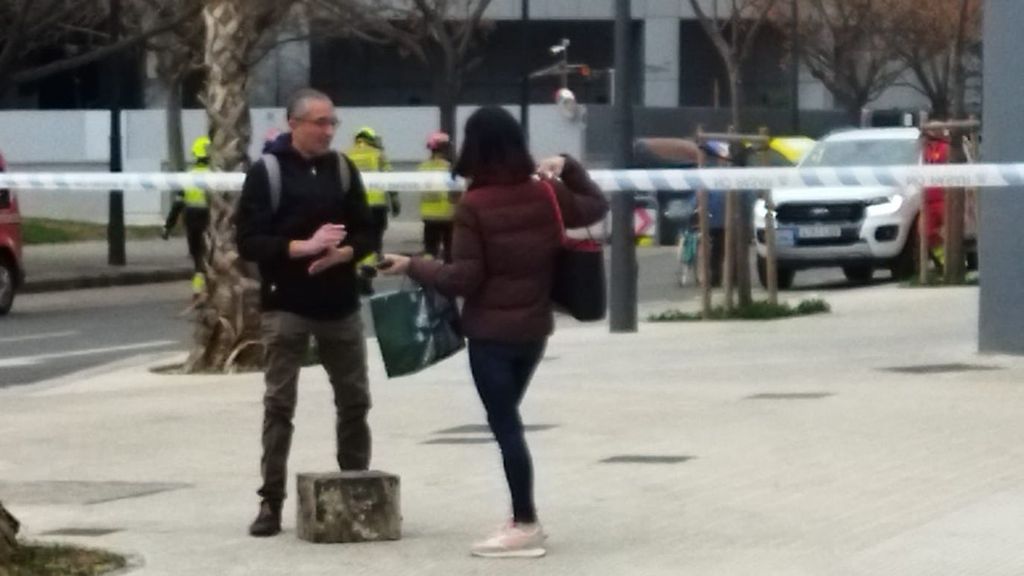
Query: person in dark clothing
x,y
306,248
506,238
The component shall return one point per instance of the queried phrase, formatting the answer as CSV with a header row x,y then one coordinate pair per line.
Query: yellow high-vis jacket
x,y
437,205
370,159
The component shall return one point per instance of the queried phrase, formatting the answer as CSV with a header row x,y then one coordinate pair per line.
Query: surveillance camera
x,y
556,50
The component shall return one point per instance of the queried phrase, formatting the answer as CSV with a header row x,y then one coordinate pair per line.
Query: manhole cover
x,y
80,493
460,441
790,396
483,428
84,532
639,459
941,368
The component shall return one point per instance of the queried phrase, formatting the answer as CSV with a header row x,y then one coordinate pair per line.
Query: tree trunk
x,y
854,104
737,200
735,95
448,104
8,535
227,322
940,106
955,265
175,138
449,85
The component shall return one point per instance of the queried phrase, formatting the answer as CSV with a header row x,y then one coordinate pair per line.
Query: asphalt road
x,y
54,335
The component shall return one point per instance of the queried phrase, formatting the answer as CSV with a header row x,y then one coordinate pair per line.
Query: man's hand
x,y
325,238
331,258
328,236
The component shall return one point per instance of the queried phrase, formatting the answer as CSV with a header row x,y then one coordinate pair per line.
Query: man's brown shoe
x,y
268,521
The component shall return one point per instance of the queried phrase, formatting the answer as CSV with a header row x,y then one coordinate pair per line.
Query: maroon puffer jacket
x,y
506,236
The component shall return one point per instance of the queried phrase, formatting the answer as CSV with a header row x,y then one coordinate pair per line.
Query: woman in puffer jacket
x,y
506,237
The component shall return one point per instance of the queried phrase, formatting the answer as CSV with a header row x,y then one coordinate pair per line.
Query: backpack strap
x,y
344,173
273,168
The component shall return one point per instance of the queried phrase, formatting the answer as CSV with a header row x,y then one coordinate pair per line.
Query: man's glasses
x,y
322,122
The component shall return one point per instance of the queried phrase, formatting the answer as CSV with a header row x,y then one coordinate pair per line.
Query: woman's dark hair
x,y
493,148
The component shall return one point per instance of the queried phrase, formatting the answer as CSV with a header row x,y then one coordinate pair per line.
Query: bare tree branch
x,y
41,24
745,20
844,45
440,34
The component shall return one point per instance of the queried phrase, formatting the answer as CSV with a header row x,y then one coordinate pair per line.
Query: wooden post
x,y
729,266
704,254
922,243
770,271
922,216
704,243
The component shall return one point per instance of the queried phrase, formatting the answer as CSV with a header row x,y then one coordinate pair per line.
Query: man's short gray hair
x,y
298,104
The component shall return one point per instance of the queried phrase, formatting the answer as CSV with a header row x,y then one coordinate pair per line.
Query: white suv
x,y
859,228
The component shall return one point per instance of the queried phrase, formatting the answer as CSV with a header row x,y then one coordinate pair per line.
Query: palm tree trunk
x,y
8,535
227,322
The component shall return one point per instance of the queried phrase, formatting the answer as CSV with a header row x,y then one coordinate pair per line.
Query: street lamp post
x,y
794,94
623,288
524,101
115,205
562,49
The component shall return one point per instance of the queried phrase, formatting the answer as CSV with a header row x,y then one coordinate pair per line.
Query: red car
x,y
12,274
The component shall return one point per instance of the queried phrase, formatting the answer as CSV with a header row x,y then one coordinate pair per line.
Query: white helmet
x,y
566,102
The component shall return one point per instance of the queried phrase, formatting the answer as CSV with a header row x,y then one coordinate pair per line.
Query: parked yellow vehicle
x,y
791,149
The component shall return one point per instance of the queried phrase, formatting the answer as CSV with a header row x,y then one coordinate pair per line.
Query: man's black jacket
x,y
311,196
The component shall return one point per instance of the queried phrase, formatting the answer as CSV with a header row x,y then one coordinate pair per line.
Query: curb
x,y
125,278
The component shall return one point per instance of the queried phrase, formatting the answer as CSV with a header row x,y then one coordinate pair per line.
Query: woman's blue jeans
x,y
502,372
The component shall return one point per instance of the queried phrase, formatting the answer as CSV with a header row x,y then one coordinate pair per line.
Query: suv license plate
x,y
819,232
785,237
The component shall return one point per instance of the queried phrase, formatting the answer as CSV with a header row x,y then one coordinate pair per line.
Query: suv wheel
x,y
905,265
783,276
972,260
6,286
859,274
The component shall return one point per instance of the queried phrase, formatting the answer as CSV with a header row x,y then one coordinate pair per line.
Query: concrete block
x,y
349,507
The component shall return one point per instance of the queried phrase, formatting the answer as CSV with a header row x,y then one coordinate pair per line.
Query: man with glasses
x,y
304,219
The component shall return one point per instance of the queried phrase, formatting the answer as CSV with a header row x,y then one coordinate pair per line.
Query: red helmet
x,y
437,141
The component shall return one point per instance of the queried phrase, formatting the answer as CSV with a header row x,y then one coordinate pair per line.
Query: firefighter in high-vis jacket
x,y
437,207
367,153
196,207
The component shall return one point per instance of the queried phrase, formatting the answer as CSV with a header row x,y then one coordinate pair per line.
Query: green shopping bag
x,y
415,329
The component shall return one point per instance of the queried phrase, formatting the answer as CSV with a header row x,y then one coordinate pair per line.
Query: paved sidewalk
x,y
50,267
810,455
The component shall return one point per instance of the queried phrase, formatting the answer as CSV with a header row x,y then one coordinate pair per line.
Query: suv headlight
x,y
884,205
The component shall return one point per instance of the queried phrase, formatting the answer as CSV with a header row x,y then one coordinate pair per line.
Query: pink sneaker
x,y
513,541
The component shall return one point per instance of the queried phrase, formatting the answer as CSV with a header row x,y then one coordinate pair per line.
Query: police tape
x,y
932,175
